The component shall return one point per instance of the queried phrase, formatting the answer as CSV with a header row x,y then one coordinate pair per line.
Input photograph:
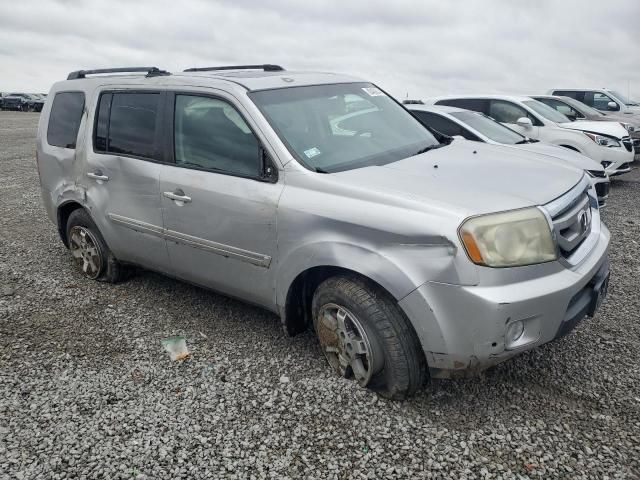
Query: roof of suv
x,y
251,79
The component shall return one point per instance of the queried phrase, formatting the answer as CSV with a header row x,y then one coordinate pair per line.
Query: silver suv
x,y
320,198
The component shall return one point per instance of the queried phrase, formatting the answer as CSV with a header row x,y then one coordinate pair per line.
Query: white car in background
x,y
608,143
603,99
478,127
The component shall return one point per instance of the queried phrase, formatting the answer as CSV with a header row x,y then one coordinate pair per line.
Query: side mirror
x,y
524,122
612,106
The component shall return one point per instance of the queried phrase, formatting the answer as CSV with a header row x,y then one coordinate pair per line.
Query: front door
x,y
122,176
219,214
508,113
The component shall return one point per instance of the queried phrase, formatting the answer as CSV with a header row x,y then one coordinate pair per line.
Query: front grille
x,y
624,166
597,173
573,224
626,141
636,144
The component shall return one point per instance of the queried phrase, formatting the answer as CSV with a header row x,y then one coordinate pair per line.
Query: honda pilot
x,y
322,199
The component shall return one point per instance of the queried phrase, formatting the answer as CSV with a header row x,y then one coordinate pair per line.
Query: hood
x,y
468,177
613,129
556,153
631,118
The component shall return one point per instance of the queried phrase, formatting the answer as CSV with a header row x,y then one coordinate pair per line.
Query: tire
x,y
101,266
395,367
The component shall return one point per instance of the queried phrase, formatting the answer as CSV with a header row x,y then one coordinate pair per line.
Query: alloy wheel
x,y
85,251
345,343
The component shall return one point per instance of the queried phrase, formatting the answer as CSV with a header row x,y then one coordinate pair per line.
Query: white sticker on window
x,y
312,152
373,91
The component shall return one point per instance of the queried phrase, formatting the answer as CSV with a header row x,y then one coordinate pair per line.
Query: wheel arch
x,y
63,212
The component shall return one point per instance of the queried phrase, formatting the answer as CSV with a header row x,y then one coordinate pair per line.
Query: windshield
x,y
624,99
546,111
337,127
489,128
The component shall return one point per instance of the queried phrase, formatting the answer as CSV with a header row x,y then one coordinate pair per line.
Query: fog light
x,y
514,332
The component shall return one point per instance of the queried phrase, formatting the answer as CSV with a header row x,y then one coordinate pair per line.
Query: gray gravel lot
x,y
87,392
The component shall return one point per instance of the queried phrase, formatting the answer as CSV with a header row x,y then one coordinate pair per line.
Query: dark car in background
x,y
25,102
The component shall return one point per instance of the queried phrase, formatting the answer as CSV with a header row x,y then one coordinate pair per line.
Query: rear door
x,y
220,212
124,160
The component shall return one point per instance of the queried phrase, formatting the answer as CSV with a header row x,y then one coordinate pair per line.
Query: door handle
x,y
178,195
98,175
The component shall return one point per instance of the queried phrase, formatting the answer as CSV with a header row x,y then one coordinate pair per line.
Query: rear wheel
x,y
89,250
365,336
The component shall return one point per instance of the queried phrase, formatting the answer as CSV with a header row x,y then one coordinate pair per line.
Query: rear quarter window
x,y
64,119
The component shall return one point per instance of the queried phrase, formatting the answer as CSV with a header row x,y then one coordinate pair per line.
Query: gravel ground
x,y
87,392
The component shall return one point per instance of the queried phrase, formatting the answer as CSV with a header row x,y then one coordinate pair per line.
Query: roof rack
x,y
150,71
266,67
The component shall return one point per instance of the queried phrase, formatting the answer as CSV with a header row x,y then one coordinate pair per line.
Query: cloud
x,y
420,47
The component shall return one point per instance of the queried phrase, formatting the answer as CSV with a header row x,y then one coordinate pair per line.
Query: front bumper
x,y
617,161
463,328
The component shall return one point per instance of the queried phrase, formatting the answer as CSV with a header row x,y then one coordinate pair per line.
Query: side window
x,y
507,112
561,107
211,134
439,123
564,93
475,104
127,123
601,102
64,119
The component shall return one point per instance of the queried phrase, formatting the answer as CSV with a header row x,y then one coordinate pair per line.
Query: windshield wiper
x,y
429,148
520,142
320,170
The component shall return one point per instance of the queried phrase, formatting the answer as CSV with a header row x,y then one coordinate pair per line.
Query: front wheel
x,y
365,336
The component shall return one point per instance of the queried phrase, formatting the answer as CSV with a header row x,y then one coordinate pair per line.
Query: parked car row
x,y
412,253
25,102
608,143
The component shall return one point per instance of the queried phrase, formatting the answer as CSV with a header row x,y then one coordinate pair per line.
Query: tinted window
x,y
444,125
211,134
475,104
342,126
489,128
561,107
565,93
102,123
132,124
601,101
439,123
64,120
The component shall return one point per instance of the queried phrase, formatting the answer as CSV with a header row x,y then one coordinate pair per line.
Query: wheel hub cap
x,y
345,343
84,249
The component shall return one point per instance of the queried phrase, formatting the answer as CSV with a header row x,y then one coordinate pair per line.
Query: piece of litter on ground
x,y
284,379
202,335
177,347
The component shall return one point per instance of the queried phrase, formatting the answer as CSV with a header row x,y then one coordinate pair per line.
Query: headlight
x,y
602,140
509,239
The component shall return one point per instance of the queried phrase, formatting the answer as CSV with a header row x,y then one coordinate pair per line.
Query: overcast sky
x,y
419,47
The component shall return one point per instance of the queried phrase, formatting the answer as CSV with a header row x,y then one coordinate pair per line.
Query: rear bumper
x,y
463,328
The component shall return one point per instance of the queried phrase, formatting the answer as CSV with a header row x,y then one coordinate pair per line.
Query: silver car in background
x,y
319,197
477,127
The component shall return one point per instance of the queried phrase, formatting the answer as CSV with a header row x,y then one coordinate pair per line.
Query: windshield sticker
x,y
373,91
312,152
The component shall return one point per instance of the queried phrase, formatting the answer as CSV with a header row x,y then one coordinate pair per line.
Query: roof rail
x,y
150,71
266,67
